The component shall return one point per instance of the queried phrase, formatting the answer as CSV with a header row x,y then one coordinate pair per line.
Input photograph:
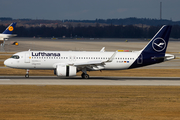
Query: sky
x,y
89,9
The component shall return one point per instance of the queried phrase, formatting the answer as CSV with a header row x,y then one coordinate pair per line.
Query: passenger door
x,y
27,57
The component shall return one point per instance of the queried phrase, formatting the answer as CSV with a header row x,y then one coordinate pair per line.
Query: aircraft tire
x,y
86,76
27,76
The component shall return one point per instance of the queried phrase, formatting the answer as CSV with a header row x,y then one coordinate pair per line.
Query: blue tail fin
x,y
10,28
154,51
159,42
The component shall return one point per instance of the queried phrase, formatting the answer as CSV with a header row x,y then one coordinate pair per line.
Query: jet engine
x,y
64,70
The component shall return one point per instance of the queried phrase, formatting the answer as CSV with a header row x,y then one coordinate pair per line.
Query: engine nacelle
x,y
64,70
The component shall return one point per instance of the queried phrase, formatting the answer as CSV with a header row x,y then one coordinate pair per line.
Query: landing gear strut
x,y
27,74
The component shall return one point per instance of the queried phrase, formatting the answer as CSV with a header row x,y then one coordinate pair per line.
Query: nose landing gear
x,y
27,74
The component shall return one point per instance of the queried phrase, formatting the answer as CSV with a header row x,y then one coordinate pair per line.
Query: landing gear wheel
x,y
27,76
85,76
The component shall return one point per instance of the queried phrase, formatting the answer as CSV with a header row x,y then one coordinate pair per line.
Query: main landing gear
x,y
27,74
84,75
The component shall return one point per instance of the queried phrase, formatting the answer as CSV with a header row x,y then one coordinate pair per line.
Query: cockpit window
x,y
15,56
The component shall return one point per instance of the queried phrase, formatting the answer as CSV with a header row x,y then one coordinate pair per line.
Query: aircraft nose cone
x,y
6,62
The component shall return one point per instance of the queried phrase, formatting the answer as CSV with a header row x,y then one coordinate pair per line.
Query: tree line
x,y
117,21
111,31
130,21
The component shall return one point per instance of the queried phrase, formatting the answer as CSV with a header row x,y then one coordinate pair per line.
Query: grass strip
x,y
89,102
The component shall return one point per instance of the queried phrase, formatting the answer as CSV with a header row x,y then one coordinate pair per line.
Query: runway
x,y
122,81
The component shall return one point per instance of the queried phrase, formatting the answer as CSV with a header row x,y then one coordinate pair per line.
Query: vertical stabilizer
x,y
154,51
159,42
9,29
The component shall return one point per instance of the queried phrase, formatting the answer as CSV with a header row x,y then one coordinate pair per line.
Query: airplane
x,y
8,33
68,63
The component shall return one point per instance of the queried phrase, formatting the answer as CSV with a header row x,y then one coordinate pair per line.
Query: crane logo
x,y
159,44
11,28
